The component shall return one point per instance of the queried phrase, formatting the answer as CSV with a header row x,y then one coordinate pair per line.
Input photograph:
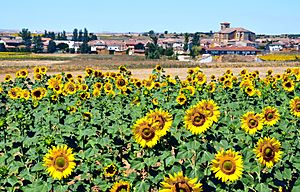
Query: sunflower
x,y
121,186
228,83
271,115
43,70
38,76
69,76
70,87
200,78
155,101
84,95
25,94
163,118
97,85
36,69
250,90
54,97
149,84
210,109
178,182
87,116
121,83
268,151
227,165
196,120
145,132
7,78
288,85
138,84
252,122
38,93
181,99
1,89
23,73
158,68
15,93
295,106
59,161
96,92
110,170
211,87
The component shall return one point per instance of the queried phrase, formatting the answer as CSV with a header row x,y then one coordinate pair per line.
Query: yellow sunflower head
x,y
23,73
200,78
158,68
271,115
250,90
268,151
110,170
7,78
70,88
15,93
210,109
295,106
181,99
145,132
38,93
121,186
179,182
252,122
121,83
196,120
163,120
43,70
288,85
59,162
227,165
25,94
38,76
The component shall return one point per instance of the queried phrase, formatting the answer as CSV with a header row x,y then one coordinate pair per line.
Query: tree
x,y
80,35
166,32
151,33
26,36
169,51
64,36
153,51
38,45
85,35
196,39
51,47
195,51
85,48
75,35
92,36
186,42
2,47
62,46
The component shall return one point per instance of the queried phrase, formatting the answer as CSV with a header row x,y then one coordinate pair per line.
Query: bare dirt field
x,y
180,72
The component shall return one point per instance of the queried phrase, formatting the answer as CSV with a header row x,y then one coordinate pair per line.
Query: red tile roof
x,y
233,48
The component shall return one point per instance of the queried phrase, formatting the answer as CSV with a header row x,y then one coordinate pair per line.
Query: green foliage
x,y
51,47
29,128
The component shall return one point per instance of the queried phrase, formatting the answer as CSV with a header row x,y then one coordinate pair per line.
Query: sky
x,y
259,16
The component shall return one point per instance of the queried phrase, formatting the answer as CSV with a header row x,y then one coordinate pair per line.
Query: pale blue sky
x,y
260,16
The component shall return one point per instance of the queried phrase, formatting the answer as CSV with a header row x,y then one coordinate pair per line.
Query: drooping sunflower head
x,y
252,122
145,132
271,115
121,186
110,170
87,116
227,165
163,120
59,161
268,151
295,106
196,120
180,183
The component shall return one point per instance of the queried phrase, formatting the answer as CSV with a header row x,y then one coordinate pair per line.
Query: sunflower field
x,y
112,132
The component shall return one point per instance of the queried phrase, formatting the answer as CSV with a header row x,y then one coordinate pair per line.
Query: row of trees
x,y
38,46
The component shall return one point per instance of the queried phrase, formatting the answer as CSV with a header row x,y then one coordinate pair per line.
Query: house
x,y
274,47
98,47
232,50
227,35
72,44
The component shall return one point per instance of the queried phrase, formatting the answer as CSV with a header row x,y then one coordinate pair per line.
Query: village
x,y
227,41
